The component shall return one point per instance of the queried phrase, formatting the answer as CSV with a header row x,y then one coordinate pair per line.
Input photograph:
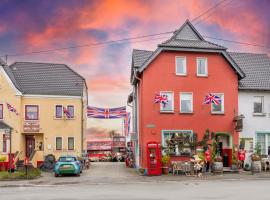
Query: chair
x,y
176,167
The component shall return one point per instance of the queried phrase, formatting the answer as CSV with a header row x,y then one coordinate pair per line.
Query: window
x,y
71,110
169,106
1,111
202,67
258,104
168,135
71,143
186,102
58,111
263,141
181,66
218,109
58,143
4,143
31,112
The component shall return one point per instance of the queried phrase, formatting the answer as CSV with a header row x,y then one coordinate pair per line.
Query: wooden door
x,y
30,145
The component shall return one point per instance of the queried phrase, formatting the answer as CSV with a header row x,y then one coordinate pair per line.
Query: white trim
x,y
262,98
167,111
206,66
222,104
18,93
73,143
185,65
55,143
55,115
191,101
51,96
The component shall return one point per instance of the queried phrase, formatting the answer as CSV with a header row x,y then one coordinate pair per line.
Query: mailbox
x,y
153,150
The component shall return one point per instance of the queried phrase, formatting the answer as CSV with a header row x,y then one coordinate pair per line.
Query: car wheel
x,y
78,175
55,175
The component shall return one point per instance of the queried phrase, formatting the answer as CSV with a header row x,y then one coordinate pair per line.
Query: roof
x,y
3,125
45,79
257,70
186,38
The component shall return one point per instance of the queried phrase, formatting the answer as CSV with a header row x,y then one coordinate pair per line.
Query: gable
x,y
187,33
6,84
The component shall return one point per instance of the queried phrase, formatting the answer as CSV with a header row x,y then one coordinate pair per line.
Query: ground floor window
x,y
58,142
168,135
263,142
71,143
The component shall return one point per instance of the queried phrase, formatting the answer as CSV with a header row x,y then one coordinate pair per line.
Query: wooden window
x,y
169,106
70,143
58,143
70,109
202,68
58,111
31,112
1,111
181,66
186,102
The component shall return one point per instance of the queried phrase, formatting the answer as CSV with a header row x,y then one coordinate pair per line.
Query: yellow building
x,y
49,103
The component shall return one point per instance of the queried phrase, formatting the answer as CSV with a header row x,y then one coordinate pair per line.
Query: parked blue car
x,y
67,165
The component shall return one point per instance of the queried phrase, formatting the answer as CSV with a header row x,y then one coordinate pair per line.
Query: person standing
x,y
207,159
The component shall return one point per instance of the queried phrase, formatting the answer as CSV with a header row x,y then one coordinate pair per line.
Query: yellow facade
x,y
49,127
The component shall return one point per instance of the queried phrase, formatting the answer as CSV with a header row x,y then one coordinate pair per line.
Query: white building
x,y
254,101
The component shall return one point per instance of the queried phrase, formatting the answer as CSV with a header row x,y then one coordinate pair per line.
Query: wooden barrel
x,y
256,167
217,167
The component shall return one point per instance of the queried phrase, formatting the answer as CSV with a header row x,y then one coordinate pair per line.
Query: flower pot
x,y
217,167
256,167
165,170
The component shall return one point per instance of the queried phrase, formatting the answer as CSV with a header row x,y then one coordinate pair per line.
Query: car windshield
x,y
67,159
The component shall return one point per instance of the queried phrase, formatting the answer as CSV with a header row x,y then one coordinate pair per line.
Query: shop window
x,y
169,136
31,112
59,143
70,143
59,111
181,66
1,111
169,105
186,102
258,104
263,143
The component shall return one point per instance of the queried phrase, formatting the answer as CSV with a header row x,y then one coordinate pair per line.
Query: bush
x,y
33,173
165,160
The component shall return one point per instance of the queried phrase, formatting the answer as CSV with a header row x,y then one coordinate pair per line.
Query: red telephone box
x,y
153,150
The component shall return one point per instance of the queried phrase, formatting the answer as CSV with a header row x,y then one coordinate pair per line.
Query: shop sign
x,y
31,127
99,145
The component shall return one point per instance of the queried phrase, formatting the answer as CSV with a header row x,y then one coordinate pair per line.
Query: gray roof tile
x,y
140,56
45,79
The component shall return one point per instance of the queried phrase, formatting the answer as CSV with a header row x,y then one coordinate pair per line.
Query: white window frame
x,y
73,143
262,98
161,105
206,66
56,113
222,105
185,66
183,93
73,111
62,143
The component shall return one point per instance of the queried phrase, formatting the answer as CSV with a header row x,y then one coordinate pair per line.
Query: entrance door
x,y
30,145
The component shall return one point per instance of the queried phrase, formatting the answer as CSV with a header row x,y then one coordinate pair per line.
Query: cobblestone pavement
x,y
107,173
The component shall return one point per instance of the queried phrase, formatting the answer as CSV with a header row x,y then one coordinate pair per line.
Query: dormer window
x,y
181,66
202,69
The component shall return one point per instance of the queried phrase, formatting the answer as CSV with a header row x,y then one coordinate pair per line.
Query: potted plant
x,y
234,166
2,160
217,165
165,162
256,164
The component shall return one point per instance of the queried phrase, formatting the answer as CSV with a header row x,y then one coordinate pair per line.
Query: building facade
x,y
45,105
185,68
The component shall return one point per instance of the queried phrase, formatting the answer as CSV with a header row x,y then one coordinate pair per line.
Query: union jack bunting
x,y
161,99
212,98
12,109
67,113
106,113
127,124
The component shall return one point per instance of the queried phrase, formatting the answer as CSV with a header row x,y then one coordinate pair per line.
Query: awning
x,y
4,126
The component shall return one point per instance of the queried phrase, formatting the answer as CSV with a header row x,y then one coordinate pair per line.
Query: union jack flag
x,y
212,98
161,99
106,113
12,109
67,113
127,124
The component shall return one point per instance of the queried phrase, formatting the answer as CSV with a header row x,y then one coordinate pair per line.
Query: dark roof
x,y
3,125
188,37
140,56
45,79
257,70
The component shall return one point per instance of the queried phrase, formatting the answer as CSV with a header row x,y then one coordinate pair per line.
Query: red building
x,y
186,68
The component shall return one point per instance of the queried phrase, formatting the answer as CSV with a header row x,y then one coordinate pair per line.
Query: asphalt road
x,y
235,190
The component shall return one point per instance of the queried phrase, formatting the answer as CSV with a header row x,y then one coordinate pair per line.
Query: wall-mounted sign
x,y
31,127
150,126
